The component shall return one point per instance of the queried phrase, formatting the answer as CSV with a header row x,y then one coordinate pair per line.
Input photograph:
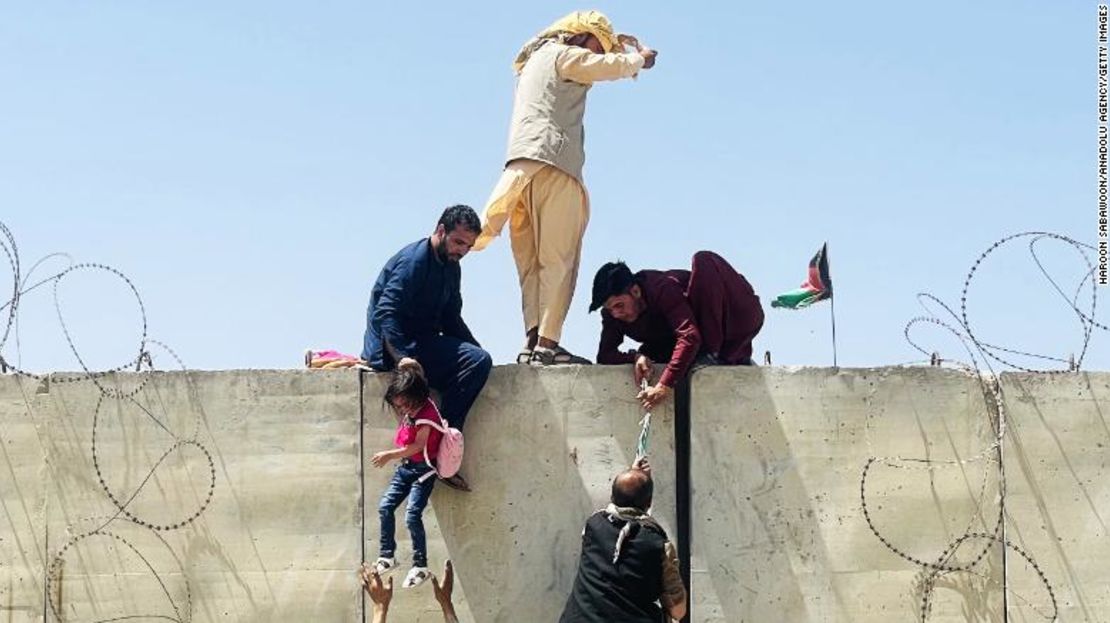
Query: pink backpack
x,y
450,455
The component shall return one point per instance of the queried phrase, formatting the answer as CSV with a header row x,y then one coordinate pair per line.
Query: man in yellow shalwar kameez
x,y
541,193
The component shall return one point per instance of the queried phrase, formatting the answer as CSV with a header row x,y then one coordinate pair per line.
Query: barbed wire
x,y
979,365
142,367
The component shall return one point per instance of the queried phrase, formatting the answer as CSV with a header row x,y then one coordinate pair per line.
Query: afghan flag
x,y
817,286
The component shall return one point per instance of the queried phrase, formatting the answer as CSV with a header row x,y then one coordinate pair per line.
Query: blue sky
x,y
251,165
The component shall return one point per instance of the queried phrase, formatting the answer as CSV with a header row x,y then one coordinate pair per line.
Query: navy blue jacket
x,y
416,295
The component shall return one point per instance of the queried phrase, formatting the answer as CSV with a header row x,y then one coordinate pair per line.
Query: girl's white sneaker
x,y
416,577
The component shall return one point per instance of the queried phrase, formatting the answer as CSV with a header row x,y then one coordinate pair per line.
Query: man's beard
x,y
441,253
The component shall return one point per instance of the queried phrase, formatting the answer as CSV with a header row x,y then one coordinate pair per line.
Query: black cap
x,y
611,279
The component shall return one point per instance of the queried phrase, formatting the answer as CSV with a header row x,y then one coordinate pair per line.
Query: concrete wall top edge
x,y
574,369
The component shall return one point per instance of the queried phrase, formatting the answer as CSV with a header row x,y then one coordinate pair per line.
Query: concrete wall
x,y
778,459
542,448
1057,456
272,534
779,528
283,532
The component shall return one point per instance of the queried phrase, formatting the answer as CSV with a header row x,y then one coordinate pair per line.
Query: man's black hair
x,y
460,216
408,384
611,279
632,489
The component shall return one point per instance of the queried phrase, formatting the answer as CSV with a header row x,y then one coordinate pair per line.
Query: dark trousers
x,y
405,483
457,370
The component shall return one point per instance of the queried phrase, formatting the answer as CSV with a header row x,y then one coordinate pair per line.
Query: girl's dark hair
x,y
408,384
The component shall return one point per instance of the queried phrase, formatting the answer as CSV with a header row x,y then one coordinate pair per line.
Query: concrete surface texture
x,y
780,533
240,495
248,495
542,447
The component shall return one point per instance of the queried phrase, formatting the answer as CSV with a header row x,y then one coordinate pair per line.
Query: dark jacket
x,y
605,592
416,295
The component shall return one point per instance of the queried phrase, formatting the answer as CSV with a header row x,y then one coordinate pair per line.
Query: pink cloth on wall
x,y
330,359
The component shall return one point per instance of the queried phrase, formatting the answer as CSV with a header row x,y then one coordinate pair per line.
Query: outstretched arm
x,y
381,458
585,67
380,594
671,301
443,592
680,316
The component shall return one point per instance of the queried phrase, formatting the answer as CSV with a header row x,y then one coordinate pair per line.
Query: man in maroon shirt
x,y
708,314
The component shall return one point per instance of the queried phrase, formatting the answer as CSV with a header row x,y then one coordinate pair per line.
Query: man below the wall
x,y
627,562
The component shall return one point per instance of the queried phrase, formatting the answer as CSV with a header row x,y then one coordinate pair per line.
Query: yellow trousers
x,y
547,211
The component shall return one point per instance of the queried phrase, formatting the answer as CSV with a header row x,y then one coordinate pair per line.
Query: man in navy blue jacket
x,y
415,317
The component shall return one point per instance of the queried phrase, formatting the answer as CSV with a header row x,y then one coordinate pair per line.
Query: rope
x,y
645,430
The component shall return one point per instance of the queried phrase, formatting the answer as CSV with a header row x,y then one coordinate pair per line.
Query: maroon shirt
x,y
666,330
711,308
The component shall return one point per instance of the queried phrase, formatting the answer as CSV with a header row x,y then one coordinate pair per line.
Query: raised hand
x,y
653,396
443,592
380,592
643,370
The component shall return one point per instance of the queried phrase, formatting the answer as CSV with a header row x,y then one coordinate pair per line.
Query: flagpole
x,y
832,304
832,314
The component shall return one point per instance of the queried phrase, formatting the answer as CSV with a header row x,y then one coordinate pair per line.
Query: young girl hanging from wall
x,y
417,442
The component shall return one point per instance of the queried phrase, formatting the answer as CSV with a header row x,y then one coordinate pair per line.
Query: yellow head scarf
x,y
577,23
